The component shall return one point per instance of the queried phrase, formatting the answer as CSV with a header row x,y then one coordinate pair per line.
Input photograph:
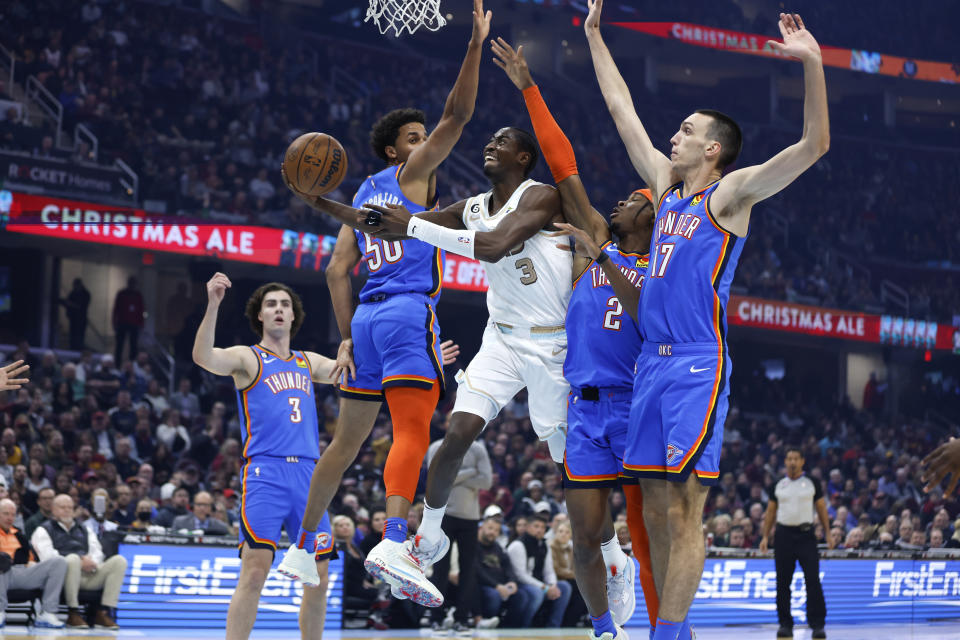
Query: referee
x,y
793,502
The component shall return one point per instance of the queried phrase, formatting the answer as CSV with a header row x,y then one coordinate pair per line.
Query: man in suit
x,y
200,518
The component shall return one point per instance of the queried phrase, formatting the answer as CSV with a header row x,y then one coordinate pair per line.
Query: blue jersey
x,y
278,410
401,266
603,341
692,260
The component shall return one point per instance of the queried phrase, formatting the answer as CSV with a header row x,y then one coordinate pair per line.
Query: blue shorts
x,y
396,343
596,437
274,495
680,400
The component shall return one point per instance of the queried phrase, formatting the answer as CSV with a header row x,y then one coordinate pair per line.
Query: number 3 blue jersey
x,y
401,266
692,260
603,340
278,410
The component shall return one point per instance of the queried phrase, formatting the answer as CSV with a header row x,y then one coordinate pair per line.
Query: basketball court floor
x,y
934,631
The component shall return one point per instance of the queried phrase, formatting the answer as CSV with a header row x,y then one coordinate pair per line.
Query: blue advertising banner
x,y
191,586
744,591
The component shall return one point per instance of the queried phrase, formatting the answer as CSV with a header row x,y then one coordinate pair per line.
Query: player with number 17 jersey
x,y
396,334
684,362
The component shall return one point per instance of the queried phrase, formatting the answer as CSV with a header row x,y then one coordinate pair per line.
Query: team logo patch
x,y
643,262
674,453
696,200
302,363
323,541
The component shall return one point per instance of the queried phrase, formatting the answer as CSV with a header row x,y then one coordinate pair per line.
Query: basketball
x,y
315,163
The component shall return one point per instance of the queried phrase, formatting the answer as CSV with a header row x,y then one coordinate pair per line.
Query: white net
x,y
405,15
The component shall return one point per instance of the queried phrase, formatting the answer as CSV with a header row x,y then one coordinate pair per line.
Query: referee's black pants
x,y
463,532
792,545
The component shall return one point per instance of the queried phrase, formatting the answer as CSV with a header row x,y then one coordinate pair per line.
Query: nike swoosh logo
x,y
692,370
268,360
557,351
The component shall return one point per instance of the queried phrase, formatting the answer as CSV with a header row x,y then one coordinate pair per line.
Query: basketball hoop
x,y
408,15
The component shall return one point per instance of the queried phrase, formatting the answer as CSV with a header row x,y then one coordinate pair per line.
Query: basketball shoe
x,y
621,594
621,634
300,564
393,563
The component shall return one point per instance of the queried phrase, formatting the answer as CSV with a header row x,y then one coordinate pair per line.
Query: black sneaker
x,y
461,630
785,632
819,633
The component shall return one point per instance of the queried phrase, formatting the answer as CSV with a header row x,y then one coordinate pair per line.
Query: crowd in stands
x,y
203,111
90,427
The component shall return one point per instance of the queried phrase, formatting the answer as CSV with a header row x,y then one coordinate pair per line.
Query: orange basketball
x,y
315,163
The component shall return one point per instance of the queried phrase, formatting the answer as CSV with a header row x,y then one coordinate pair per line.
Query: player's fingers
x,y
776,46
506,45
500,64
353,370
565,247
520,52
799,21
953,484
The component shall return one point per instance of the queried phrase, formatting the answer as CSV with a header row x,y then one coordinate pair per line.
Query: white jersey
x,y
531,285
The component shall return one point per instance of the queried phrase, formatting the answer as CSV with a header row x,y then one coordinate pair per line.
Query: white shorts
x,y
507,362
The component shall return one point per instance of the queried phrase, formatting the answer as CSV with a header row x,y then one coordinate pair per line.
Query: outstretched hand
x,y
592,23
512,62
481,22
8,376
449,350
797,41
585,244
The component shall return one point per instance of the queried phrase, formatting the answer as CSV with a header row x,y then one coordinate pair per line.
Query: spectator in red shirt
x,y
128,318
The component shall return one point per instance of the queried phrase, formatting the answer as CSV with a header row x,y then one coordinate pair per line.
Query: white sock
x,y
430,524
613,555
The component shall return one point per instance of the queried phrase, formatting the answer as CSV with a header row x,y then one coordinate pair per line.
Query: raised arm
x,y
557,149
627,292
346,255
742,189
458,109
236,361
652,165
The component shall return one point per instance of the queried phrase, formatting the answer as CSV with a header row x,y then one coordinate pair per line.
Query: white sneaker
x,y
424,555
621,592
488,623
299,564
391,562
621,634
47,620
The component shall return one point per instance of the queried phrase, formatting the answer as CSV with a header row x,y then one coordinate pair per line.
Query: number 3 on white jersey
x,y
295,414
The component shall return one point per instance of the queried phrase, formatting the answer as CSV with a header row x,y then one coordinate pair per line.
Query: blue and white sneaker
x,y
47,620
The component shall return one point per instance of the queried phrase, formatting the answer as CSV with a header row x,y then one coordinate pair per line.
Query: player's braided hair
x,y
255,303
727,132
385,130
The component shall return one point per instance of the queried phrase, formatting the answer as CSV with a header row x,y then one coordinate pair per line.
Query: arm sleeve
x,y
42,544
817,489
557,149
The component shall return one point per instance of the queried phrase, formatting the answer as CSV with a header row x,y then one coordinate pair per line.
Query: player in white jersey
x,y
525,343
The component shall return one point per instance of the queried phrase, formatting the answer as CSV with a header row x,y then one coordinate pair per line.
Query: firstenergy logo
x,y
149,574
